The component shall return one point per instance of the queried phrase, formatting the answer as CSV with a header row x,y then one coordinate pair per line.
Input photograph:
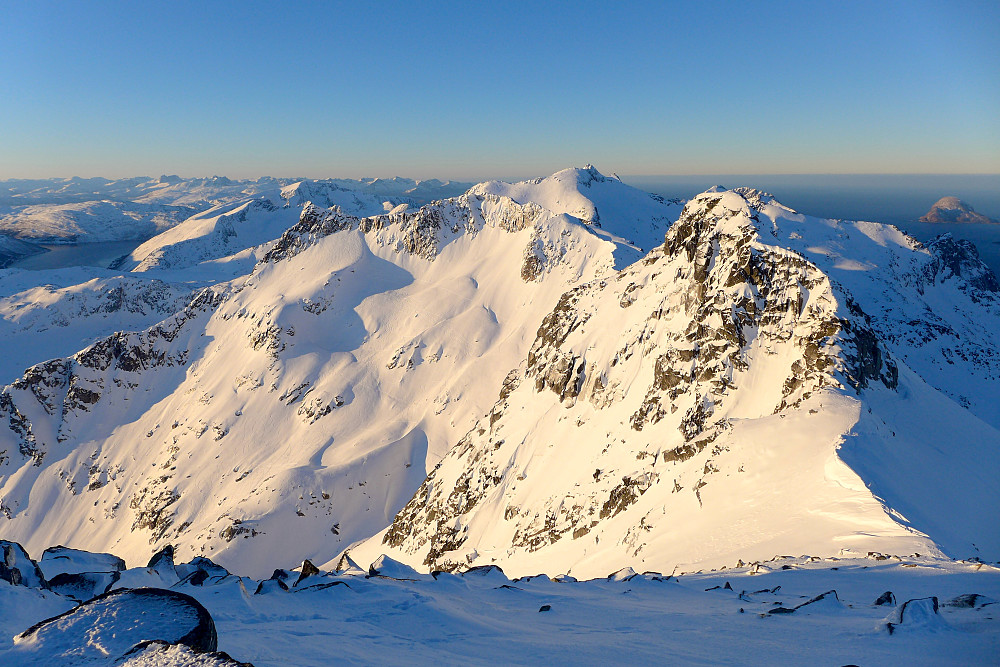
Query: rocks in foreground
x,y
110,626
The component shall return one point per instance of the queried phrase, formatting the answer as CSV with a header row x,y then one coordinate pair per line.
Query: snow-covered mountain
x,y
524,374
953,209
200,193
227,237
301,404
763,383
607,204
79,210
12,249
88,222
72,308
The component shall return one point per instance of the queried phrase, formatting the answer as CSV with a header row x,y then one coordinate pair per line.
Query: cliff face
x,y
671,414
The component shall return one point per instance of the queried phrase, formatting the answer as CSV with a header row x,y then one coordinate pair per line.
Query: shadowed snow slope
x,y
764,382
91,221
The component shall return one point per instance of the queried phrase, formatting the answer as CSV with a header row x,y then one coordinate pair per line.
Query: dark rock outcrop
x,y
17,568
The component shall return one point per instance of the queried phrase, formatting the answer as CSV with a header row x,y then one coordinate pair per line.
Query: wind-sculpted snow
x,y
868,610
690,410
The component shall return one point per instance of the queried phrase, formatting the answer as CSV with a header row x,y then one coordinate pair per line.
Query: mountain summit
x,y
764,382
953,209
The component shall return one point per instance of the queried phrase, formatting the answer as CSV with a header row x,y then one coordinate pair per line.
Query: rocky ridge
x,y
669,364
155,425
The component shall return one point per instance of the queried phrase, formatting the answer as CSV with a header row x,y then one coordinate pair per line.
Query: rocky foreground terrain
x,y
74,607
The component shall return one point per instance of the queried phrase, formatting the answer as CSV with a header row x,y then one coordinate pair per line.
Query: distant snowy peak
x,y
349,200
953,209
606,203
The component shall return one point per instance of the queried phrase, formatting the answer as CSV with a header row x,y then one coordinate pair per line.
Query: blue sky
x,y
471,90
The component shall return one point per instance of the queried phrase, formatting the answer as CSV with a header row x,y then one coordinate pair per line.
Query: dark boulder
x,y
83,585
201,563
918,614
308,570
162,559
886,598
17,568
270,586
969,601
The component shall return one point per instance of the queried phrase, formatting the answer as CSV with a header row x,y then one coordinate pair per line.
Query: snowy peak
x,y
953,209
664,408
618,210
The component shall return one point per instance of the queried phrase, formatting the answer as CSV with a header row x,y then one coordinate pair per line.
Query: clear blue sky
x,y
470,90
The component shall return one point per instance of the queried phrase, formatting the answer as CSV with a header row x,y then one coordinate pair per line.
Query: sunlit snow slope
x,y
763,383
299,407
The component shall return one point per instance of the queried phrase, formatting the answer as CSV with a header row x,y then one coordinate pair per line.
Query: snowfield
x,y
565,377
874,610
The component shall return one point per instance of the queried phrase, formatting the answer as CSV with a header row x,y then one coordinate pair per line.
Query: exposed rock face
x,y
959,258
17,568
421,232
65,388
700,310
672,358
953,209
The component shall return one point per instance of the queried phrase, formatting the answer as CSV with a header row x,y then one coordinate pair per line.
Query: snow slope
x,y
12,249
51,314
90,221
299,405
225,239
79,210
764,383
775,612
621,211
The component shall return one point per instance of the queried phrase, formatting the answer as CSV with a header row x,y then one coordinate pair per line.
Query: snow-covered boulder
x,y
110,625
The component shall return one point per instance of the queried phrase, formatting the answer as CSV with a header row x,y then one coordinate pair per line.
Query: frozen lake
x,y
82,254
